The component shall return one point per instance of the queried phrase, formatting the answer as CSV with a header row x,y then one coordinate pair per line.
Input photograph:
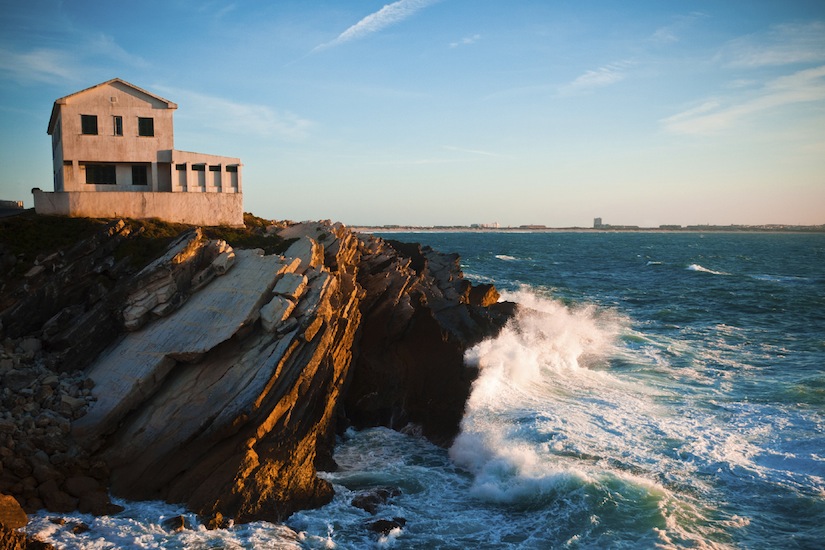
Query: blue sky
x,y
445,112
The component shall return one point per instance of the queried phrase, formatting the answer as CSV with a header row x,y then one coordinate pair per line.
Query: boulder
x,y
385,526
55,499
483,295
290,285
12,515
176,524
275,312
369,500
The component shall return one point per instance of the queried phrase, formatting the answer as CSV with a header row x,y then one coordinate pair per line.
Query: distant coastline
x,y
768,228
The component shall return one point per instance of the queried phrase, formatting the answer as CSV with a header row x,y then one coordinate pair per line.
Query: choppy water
x,y
658,390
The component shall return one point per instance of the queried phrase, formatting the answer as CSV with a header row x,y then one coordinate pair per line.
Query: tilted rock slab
x,y
203,408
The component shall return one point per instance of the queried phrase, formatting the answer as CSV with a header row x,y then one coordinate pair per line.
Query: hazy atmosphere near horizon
x,y
443,112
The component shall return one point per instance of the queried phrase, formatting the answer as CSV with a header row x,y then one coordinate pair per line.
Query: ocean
x,y
657,390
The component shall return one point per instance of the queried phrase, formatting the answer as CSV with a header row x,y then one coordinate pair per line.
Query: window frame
x,y
143,129
85,125
144,174
98,174
117,125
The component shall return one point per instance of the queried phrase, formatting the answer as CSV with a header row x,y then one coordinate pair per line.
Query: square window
x,y
88,124
146,126
139,175
118,123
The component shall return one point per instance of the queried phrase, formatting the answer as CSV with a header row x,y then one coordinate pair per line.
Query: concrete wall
x,y
190,208
219,174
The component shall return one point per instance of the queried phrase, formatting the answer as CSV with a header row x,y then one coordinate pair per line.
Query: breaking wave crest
x,y
549,428
701,269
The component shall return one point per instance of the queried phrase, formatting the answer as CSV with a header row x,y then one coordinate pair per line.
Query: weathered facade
x,y
113,156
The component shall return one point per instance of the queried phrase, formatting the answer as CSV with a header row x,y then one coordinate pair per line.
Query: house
x,y
114,156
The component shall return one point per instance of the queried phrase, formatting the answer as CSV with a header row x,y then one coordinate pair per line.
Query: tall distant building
x,y
597,223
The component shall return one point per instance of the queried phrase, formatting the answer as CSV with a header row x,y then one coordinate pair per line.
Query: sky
x,y
453,112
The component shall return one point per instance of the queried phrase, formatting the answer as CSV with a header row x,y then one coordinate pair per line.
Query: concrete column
x,y
73,183
153,186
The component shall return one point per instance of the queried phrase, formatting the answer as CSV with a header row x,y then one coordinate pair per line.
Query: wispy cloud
x,y
233,117
714,115
79,56
664,35
598,78
41,66
781,45
477,152
672,33
466,41
389,15
217,8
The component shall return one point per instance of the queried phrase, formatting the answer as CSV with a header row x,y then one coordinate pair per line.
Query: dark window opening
x,y
213,168
118,121
146,126
232,168
139,175
180,167
199,167
88,124
101,174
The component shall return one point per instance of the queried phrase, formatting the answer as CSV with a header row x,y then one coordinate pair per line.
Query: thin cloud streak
x,y
473,151
66,64
466,41
43,65
603,76
240,118
782,45
801,87
389,15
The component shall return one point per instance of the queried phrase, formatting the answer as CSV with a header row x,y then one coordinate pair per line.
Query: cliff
x,y
218,376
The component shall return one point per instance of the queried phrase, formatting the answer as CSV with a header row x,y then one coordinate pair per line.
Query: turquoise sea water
x,y
658,390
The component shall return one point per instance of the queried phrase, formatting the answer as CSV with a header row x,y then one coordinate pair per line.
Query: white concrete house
x,y
114,156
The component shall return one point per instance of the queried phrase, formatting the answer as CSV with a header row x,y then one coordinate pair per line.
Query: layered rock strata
x,y
223,375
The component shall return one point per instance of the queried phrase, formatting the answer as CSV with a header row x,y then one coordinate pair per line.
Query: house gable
x,y
115,87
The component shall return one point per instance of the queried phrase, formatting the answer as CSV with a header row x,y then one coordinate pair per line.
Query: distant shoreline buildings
x,y
602,228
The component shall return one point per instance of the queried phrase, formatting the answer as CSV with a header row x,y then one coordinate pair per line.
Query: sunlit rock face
x,y
222,375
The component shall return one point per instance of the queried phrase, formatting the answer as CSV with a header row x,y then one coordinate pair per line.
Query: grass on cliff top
x,y
28,236
156,235
252,235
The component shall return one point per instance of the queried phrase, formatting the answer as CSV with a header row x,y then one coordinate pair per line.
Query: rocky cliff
x,y
217,376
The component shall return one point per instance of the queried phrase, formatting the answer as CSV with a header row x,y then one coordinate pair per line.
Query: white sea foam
x,y
780,279
140,526
505,257
702,269
547,421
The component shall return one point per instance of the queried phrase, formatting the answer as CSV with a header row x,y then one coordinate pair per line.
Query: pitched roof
x,y
63,100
